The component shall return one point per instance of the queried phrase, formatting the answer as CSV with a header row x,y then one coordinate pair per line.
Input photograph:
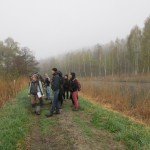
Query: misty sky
x,y
51,27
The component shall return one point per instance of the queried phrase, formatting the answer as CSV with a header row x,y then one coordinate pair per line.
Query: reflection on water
x,y
133,92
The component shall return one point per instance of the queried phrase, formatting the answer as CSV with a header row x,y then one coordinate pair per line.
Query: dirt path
x,y
68,131
34,140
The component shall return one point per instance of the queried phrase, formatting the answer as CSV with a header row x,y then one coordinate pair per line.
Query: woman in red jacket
x,y
74,90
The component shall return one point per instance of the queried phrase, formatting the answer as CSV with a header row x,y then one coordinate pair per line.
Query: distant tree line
x,y
15,60
122,56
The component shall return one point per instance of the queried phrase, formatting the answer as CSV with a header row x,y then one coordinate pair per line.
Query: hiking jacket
x,y
66,84
55,85
73,85
39,87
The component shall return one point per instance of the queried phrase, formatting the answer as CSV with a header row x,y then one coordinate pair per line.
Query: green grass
x,y
133,135
46,124
14,122
83,125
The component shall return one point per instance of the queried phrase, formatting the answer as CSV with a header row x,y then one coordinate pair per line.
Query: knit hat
x,y
35,76
54,69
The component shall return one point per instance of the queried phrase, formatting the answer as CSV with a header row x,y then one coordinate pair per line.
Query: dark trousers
x,y
66,92
61,98
55,104
41,101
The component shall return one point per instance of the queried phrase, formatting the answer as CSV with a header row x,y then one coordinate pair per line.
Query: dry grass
x,y
122,78
130,98
9,88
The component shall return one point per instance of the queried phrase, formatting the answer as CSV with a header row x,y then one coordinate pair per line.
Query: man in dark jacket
x,y
55,85
61,88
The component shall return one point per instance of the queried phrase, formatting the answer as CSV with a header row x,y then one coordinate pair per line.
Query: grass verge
x,y
85,129
133,135
14,123
46,124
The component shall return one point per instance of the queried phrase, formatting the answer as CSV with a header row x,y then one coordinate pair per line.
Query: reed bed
x,y
131,98
9,88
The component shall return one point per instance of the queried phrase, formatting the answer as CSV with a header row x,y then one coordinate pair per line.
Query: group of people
x,y
61,87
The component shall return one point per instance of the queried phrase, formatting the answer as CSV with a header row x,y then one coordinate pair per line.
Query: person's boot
x,y
38,108
57,112
49,115
75,109
34,108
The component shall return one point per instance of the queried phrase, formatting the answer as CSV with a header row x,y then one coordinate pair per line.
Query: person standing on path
x,y
55,85
61,89
66,87
35,93
74,90
41,81
47,86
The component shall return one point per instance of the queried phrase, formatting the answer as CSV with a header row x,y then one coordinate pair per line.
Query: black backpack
x,y
79,84
34,87
61,79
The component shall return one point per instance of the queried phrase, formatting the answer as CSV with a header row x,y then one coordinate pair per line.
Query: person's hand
x,y
49,79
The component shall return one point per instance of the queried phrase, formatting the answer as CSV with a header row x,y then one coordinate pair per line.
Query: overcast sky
x,y
51,27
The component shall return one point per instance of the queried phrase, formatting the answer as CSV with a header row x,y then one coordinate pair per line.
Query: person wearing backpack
x,y
72,105
47,86
66,87
61,89
41,81
74,90
55,85
35,93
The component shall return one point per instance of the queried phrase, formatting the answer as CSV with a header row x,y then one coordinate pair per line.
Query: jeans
x,y
60,98
48,92
55,104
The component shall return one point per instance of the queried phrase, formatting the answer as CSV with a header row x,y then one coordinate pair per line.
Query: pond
x,y
132,92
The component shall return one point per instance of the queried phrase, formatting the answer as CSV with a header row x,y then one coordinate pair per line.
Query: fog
x,y
53,27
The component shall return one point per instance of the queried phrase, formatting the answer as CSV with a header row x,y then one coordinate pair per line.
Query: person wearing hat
x,y
55,86
35,93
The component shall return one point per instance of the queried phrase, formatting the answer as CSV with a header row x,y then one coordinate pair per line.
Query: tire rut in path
x,y
64,135
35,141
67,135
